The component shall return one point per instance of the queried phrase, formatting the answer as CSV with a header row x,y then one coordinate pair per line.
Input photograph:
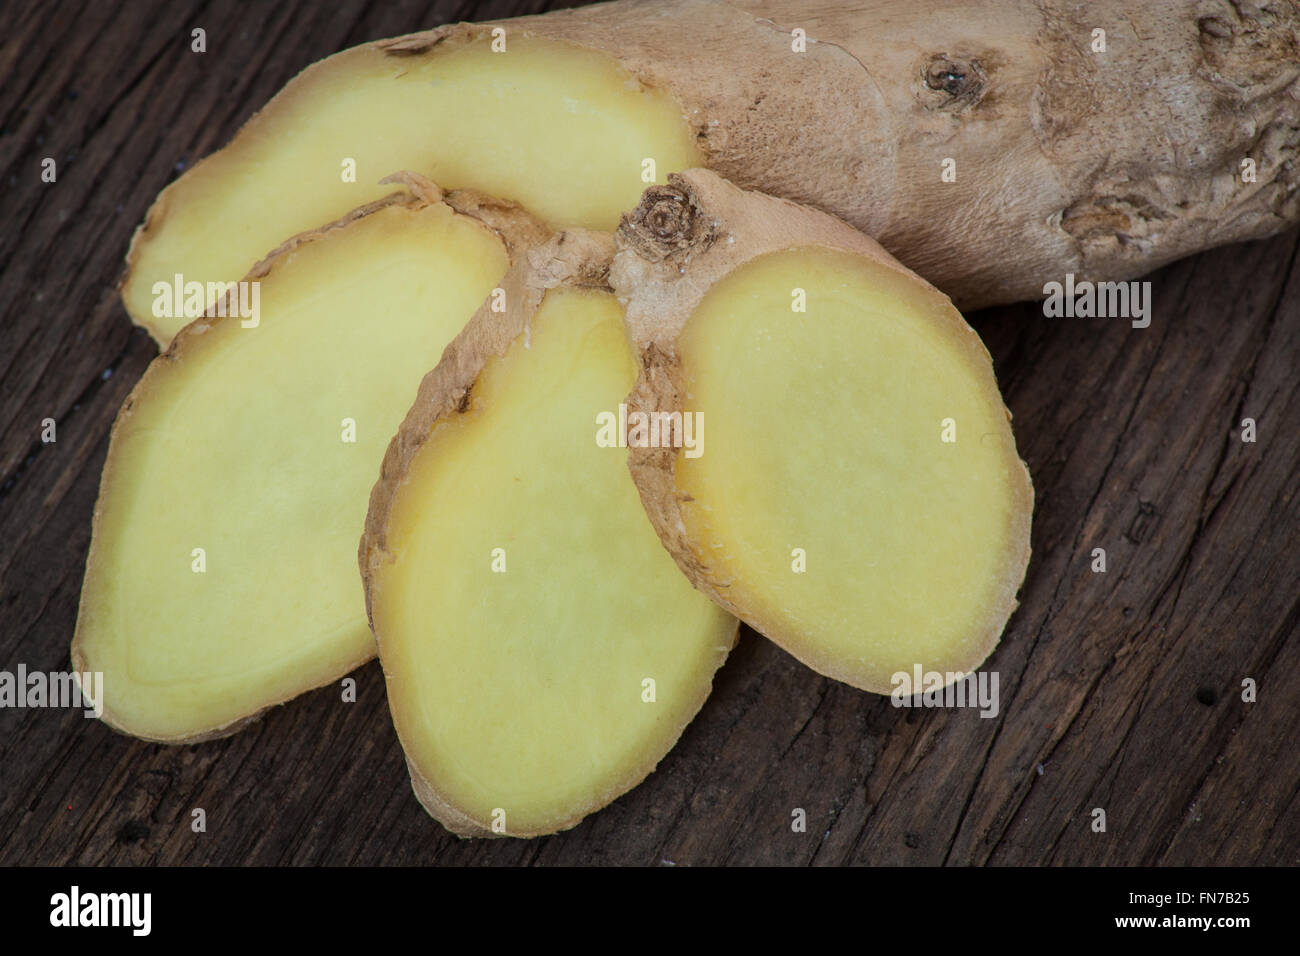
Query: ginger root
x,y
542,651
221,577
563,131
992,146
858,498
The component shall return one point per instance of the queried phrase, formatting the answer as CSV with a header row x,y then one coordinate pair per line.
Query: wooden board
x,y
1119,690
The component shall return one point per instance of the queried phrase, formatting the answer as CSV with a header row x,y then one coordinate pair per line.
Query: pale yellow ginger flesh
x,y
829,502
239,442
543,652
565,131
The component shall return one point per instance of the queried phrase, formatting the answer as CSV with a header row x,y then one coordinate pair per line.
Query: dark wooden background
x,y
1119,690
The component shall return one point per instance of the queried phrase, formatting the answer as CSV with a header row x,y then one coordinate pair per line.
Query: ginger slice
x,y
858,497
221,577
542,651
564,131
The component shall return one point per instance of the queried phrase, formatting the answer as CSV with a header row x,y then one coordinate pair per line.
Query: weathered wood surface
x,y
1119,690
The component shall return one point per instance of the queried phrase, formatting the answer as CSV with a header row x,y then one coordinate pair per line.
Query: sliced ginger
x,y
564,131
222,575
542,651
859,498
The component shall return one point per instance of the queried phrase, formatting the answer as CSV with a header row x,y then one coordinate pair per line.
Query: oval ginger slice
x,y
221,577
562,130
859,498
542,650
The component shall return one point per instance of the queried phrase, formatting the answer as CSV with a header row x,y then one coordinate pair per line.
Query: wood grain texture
x,y
1118,690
